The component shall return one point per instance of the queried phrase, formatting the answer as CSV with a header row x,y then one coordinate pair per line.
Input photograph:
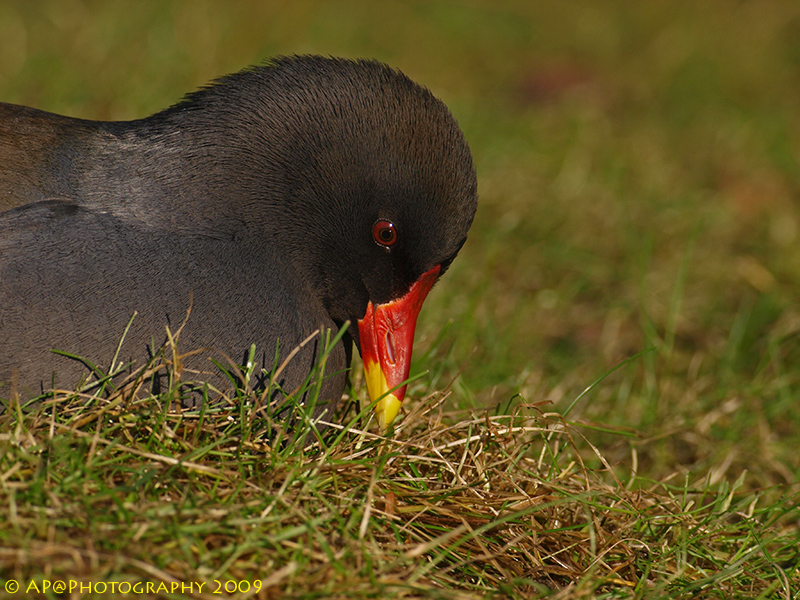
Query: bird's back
x,y
32,143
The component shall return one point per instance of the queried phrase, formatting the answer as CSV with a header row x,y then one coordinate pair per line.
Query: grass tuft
x,y
125,487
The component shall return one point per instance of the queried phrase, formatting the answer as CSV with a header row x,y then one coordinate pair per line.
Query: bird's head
x,y
378,193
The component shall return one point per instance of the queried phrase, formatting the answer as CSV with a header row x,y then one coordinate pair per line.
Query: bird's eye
x,y
384,233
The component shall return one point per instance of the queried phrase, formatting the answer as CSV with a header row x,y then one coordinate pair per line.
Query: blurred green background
x,y
638,175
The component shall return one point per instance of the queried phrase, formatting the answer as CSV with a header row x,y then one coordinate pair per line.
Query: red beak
x,y
386,334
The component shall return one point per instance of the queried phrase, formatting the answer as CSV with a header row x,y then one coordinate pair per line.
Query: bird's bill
x,y
387,336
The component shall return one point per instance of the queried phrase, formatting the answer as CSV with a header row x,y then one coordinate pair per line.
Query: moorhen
x,y
284,199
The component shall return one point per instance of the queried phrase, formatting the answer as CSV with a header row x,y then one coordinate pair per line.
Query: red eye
x,y
384,233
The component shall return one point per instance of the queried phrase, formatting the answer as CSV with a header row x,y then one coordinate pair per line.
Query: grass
x,y
638,171
449,506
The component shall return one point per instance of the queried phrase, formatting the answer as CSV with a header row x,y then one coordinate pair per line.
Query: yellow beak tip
x,y
386,410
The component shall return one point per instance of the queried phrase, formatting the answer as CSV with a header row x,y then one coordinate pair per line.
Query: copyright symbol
x,y
12,586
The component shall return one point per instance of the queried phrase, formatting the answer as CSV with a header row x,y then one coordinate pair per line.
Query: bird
x,y
305,194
